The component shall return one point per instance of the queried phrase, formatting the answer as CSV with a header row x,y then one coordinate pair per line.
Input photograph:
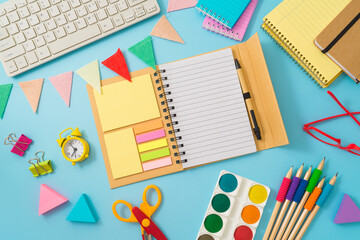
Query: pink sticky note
x,y
49,199
21,145
150,136
149,165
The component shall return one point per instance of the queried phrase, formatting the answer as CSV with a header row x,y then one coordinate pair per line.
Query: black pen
x,y
248,100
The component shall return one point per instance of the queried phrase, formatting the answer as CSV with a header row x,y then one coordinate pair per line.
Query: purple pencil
x,y
289,197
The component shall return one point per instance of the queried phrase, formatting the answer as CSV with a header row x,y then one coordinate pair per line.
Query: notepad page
x,y
210,111
299,22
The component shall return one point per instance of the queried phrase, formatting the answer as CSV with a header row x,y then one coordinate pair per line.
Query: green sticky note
x,y
5,91
155,154
144,50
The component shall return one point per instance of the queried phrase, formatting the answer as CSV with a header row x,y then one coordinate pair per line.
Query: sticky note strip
x,y
122,152
143,147
155,154
150,136
147,126
125,103
157,163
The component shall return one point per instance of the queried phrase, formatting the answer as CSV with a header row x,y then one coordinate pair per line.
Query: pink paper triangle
x,y
164,29
62,84
49,199
348,211
32,90
175,5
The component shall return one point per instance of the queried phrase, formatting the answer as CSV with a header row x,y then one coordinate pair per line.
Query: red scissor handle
x,y
148,225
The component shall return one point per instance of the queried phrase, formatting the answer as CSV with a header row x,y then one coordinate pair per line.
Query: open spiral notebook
x,y
190,112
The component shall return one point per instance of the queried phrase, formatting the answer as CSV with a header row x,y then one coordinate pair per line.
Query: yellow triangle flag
x,y
91,74
32,90
163,29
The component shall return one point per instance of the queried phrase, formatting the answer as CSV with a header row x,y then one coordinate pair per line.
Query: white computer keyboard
x,y
36,31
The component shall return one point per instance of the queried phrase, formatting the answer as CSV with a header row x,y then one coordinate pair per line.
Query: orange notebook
x,y
189,113
340,40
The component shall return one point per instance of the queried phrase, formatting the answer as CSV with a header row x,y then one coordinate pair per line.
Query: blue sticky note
x,y
82,211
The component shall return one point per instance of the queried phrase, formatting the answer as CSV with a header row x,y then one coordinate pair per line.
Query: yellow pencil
x,y
309,205
315,176
299,193
279,199
289,196
319,203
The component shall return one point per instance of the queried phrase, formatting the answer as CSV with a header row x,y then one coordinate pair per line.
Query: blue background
x,y
186,194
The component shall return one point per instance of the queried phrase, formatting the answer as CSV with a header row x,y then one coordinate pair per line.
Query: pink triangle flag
x,y
62,84
32,90
164,29
49,199
175,5
348,211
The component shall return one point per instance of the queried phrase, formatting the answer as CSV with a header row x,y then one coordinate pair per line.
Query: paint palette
x,y
235,209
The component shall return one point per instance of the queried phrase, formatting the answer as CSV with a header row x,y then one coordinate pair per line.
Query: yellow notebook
x,y
294,24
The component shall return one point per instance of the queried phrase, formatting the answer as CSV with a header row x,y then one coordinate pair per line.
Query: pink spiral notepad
x,y
239,29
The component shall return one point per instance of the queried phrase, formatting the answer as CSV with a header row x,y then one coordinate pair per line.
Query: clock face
x,y
74,149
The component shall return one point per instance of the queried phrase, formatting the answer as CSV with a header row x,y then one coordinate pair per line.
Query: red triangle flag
x,y
117,63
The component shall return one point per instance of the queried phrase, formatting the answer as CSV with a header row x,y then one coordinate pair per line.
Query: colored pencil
x,y
289,196
299,193
279,199
319,203
309,205
315,176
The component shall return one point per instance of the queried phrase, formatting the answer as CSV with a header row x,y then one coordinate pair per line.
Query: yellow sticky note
x,y
125,103
122,152
152,145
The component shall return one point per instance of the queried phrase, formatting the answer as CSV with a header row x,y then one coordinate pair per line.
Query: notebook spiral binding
x,y
217,29
208,12
295,54
163,93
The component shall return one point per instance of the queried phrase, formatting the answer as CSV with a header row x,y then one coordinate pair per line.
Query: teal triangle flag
x,y
82,211
5,91
144,50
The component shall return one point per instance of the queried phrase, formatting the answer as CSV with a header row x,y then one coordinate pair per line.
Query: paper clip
x,y
19,144
41,167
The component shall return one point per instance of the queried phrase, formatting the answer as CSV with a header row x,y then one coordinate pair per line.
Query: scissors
x,y
142,215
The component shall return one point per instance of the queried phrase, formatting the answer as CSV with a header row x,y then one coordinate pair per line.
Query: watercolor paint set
x,y
235,209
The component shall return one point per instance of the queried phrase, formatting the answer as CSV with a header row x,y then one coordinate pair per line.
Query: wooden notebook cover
x,y
346,52
145,174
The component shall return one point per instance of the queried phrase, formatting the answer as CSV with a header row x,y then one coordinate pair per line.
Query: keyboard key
x,y
151,8
34,7
31,57
7,43
50,37
122,5
44,15
21,3
12,53
113,1
106,25
40,41
85,1
61,20
60,32
54,11
51,24
74,39
91,19
21,62
129,16
118,20
2,11
140,13
40,29
112,10
4,21
29,45
101,14
30,33
44,4
64,6
14,17
71,15
134,2
92,7
75,3
10,67
43,52
3,33
53,2
103,3
70,28
33,20
19,38
23,24
10,7
138,8
80,23
81,11
24,12
13,29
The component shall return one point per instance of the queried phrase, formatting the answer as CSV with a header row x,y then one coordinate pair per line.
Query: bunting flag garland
x,y
144,51
175,5
91,74
62,84
5,91
32,90
117,63
164,29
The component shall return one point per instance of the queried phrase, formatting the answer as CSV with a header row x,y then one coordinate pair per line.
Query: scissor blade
x,y
147,236
150,227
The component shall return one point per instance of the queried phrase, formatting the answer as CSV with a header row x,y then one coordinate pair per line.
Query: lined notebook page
x,y
300,21
209,107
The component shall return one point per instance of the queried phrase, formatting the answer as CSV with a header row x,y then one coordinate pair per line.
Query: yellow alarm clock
x,y
74,147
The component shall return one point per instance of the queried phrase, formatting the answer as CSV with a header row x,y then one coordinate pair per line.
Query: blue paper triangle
x,y
82,211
